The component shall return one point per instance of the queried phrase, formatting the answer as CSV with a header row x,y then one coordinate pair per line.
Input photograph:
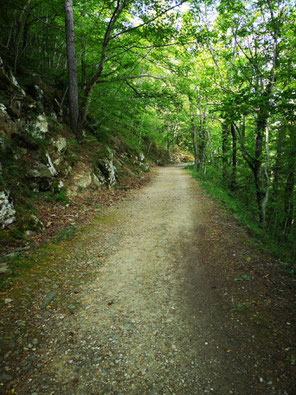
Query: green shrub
x,y
62,196
67,233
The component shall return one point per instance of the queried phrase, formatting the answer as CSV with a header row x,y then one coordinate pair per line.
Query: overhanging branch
x,y
150,20
131,77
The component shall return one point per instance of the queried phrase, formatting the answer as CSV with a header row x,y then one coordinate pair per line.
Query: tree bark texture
x,y
91,83
225,133
193,135
234,158
72,69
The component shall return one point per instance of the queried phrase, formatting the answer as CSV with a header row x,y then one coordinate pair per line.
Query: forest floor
x,y
161,293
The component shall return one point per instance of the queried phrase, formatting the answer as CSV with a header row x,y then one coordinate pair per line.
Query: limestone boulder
x,y
106,170
140,162
83,177
7,210
7,126
58,148
39,127
41,177
32,225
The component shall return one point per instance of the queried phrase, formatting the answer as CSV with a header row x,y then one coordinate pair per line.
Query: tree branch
x,y
131,77
150,20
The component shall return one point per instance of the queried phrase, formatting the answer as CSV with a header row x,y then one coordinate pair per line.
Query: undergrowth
x,y
244,214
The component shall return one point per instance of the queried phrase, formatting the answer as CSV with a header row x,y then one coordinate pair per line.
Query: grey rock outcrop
x,y
106,170
39,127
58,148
33,226
7,211
82,178
140,161
4,269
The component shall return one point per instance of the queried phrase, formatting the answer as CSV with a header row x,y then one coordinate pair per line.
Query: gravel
x,y
118,316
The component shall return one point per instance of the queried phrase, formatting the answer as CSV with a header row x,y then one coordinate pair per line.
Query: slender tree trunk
x,y
19,30
168,134
278,164
194,144
85,101
266,193
72,70
290,184
273,215
193,126
261,125
201,144
225,133
234,158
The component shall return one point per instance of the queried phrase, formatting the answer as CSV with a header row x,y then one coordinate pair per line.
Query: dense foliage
x,y
215,77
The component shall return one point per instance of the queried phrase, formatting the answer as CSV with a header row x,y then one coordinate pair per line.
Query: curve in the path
x,y
150,323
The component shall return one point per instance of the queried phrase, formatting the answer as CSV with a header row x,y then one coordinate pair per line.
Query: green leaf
x,y
246,277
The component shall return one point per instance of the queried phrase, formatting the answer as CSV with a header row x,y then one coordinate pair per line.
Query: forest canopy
x,y
213,77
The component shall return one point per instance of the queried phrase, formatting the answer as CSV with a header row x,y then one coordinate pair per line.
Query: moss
x,y
105,219
11,235
62,196
67,233
4,99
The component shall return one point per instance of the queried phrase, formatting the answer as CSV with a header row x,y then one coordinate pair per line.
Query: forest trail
x,y
150,321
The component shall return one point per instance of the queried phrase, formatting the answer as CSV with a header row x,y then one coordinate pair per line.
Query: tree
x,y
72,70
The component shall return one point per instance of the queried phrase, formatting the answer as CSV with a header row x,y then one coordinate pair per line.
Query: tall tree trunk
x,y
168,135
19,32
267,181
278,163
201,145
225,133
234,158
85,101
193,128
261,124
72,70
290,184
194,144
273,215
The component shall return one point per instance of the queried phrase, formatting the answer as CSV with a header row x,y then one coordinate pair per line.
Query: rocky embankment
x,y
40,158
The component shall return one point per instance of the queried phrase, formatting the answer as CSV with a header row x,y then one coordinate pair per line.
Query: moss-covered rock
x,y
7,210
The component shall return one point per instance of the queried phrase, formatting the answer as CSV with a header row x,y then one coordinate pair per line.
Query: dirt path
x,y
150,321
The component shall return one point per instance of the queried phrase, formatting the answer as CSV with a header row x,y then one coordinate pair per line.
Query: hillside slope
x,y
42,165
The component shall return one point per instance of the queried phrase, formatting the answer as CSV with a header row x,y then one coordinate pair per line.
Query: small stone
x,y
5,377
7,301
30,233
12,255
11,345
48,299
35,341
4,268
